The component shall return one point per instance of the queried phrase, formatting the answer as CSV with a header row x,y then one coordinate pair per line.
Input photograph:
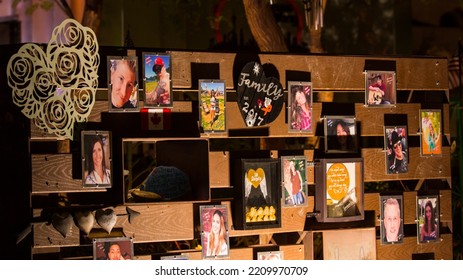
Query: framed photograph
x,y
431,136
392,228
123,83
294,180
119,248
339,190
300,98
257,200
340,134
212,100
214,231
175,257
96,159
396,145
156,78
270,256
427,211
380,88
165,169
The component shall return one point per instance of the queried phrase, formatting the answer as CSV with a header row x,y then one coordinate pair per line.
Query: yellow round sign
x,y
337,181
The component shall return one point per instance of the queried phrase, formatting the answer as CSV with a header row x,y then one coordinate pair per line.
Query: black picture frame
x,y
257,201
339,193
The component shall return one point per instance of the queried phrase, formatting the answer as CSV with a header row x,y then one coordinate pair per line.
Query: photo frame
x,y
257,201
270,256
166,169
300,107
294,181
396,146
214,226
96,159
123,83
380,88
431,132
339,190
157,83
212,98
175,257
340,134
118,248
428,220
392,217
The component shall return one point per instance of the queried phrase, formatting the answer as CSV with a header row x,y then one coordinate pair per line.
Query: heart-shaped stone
x,y
62,222
106,218
260,99
85,221
256,176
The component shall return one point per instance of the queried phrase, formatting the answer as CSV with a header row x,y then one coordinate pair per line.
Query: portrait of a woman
x,y
96,167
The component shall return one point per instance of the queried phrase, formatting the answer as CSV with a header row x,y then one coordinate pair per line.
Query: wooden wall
x,y
56,187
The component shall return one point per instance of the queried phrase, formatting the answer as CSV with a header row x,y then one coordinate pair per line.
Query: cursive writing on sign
x,y
269,89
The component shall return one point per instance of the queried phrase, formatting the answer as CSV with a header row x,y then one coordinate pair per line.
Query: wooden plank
x,y
371,202
235,254
349,244
158,222
409,204
431,168
45,235
52,173
278,128
292,220
293,252
308,246
241,254
327,72
446,119
194,255
219,169
99,107
445,203
182,62
420,73
310,170
443,250
372,118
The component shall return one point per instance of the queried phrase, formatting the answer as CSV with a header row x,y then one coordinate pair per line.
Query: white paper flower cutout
x,y
57,88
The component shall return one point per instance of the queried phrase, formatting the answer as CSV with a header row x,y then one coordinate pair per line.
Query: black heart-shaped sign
x,y
260,99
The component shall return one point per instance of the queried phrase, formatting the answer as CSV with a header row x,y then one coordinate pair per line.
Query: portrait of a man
x,y
391,219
